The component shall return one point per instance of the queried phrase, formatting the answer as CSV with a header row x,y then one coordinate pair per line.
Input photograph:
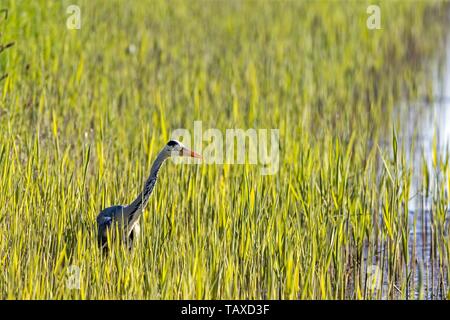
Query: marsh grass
x,y
82,118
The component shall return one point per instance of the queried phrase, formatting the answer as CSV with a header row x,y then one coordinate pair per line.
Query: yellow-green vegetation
x,y
84,112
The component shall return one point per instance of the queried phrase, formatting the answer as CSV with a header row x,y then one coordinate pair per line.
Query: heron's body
x,y
118,215
126,218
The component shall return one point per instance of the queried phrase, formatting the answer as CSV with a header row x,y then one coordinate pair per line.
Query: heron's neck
x,y
135,209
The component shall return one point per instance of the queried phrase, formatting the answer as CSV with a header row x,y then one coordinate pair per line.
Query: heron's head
x,y
175,148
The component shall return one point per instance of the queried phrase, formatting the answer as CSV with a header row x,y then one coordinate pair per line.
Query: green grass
x,y
81,120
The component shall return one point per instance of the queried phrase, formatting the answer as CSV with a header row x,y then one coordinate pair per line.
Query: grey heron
x,y
127,217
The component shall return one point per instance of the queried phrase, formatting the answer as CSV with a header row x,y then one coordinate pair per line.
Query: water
x,y
425,124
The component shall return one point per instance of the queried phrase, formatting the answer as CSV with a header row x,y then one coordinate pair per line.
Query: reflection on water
x,y
426,124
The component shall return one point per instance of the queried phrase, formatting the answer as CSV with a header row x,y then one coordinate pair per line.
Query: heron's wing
x,y
104,222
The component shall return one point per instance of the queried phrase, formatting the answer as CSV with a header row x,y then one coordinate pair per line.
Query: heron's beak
x,y
189,153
